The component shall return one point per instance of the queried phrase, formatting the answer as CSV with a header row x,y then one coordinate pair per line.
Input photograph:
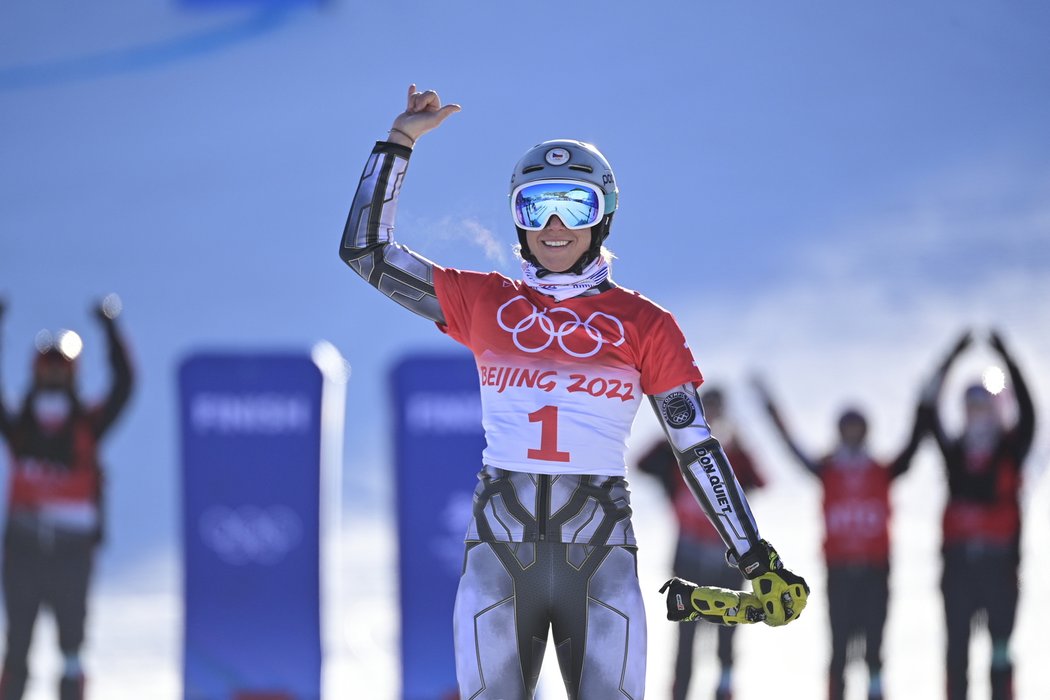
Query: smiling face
x,y
556,247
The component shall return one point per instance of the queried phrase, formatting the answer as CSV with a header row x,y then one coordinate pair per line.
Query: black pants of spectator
x,y
702,563
858,600
979,579
49,568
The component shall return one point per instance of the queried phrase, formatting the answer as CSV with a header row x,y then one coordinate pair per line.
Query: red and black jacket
x,y
60,464
983,487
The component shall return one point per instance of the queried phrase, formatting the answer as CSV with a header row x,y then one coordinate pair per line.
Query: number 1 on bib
x,y
547,417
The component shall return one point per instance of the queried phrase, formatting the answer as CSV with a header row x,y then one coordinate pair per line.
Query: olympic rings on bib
x,y
519,321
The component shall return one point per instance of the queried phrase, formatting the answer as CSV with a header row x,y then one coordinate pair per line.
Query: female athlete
x,y
564,356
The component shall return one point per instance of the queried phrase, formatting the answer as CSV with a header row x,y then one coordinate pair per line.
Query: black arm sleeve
x,y
120,388
7,422
1025,409
804,459
929,408
903,460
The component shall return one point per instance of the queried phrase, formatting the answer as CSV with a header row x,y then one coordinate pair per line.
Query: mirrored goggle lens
x,y
576,204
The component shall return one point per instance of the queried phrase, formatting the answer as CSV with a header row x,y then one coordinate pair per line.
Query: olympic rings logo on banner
x,y
250,534
555,330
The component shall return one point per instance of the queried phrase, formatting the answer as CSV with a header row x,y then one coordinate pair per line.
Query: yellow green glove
x,y
783,595
687,602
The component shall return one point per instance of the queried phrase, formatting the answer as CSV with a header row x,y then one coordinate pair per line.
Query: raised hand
x,y
423,113
997,344
108,308
964,341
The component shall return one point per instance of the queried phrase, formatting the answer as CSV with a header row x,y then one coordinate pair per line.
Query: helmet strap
x,y
599,232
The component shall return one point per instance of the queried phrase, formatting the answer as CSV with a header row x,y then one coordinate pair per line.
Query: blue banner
x,y
438,444
251,484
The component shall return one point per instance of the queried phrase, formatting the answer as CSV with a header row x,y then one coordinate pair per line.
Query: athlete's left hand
x,y
687,602
783,594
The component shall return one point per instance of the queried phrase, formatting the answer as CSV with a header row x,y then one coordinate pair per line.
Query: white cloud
x,y
496,249
952,232
875,304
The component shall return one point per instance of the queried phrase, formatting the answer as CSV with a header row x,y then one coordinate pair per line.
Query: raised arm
x,y
1025,408
368,245
710,477
107,412
931,396
5,420
902,462
778,422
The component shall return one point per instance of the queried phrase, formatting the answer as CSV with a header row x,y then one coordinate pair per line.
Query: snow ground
x,y
134,631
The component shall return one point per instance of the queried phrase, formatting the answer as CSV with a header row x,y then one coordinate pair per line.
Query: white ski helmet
x,y
569,159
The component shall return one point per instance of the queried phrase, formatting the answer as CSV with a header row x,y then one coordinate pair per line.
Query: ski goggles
x,y
578,204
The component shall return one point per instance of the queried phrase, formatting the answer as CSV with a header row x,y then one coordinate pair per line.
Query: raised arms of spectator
x,y
5,420
1025,408
109,409
902,462
931,396
808,462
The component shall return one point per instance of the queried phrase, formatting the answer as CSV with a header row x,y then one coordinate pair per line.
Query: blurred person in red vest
x,y
982,520
856,502
699,552
54,513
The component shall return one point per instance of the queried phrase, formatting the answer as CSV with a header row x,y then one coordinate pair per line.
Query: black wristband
x,y
760,559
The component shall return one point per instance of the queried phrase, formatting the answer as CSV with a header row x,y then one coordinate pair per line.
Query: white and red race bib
x,y
561,382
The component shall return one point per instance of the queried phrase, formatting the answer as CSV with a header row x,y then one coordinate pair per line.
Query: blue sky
x,y
825,192
200,163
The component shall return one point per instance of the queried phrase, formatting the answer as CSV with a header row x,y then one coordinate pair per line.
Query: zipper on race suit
x,y
543,506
